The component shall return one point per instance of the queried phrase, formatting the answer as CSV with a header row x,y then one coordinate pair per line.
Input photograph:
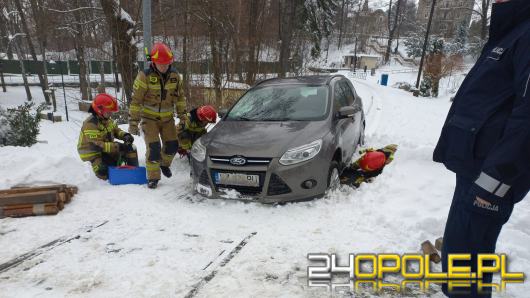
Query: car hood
x,y
261,139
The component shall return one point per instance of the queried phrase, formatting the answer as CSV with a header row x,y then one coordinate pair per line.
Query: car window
x,y
347,92
282,103
339,99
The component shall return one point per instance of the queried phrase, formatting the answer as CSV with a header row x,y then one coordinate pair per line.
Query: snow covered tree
x,y
311,19
320,18
459,45
20,126
414,44
123,30
475,47
426,86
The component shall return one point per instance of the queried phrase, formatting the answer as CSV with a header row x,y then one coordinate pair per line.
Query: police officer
x,y
486,139
157,91
97,143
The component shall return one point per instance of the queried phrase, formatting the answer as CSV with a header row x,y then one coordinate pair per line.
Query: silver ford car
x,y
283,140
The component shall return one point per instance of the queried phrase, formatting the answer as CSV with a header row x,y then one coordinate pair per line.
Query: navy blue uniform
x,y
486,137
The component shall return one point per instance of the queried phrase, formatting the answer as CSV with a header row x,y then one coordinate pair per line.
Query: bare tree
x,y
14,36
341,22
392,26
255,35
287,26
122,29
483,13
43,80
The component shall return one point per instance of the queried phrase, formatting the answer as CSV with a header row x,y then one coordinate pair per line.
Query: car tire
x,y
333,176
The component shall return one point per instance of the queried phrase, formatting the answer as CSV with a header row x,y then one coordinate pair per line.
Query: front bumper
x,y
278,183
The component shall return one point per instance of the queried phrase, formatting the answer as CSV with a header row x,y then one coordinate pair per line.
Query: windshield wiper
x,y
277,119
241,119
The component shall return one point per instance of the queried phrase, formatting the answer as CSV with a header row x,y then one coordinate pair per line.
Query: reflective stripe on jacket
x,y
96,137
157,98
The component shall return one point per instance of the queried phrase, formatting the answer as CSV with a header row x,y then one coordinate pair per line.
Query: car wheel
x,y
333,176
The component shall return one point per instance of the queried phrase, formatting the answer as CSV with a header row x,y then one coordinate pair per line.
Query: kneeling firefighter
x,y
369,165
96,140
157,91
194,127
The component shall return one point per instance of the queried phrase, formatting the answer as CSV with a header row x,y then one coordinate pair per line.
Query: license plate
x,y
236,179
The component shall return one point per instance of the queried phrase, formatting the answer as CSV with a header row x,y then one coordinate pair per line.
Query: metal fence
x,y
94,67
357,75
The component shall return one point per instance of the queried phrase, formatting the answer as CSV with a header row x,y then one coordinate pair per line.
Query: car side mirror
x,y
346,112
222,112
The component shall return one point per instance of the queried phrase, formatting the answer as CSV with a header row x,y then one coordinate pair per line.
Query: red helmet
x,y
207,114
372,161
104,103
161,54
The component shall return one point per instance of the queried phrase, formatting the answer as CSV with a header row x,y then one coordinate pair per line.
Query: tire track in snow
x,y
374,111
195,288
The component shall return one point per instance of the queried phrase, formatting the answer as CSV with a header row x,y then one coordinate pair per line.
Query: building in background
x,y
448,15
363,60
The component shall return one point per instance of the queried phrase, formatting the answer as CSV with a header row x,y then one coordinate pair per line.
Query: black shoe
x,y
166,171
152,184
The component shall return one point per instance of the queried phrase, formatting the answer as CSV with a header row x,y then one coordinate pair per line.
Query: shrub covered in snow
x,y
20,126
4,126
426,86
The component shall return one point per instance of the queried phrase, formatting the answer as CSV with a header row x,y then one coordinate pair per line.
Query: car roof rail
x,y
331,77
258,82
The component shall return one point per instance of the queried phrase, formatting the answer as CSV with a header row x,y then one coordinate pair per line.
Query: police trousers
x,y
472,229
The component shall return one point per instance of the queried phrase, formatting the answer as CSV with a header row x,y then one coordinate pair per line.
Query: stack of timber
x,y
35,200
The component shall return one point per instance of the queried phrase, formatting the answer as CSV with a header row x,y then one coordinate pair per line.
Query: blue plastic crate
x,y
127,175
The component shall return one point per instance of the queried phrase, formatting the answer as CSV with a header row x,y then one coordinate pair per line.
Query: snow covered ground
x,y
160,243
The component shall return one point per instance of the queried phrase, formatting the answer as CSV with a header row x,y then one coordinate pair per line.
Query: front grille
x,y
277,186
244,190
203,179
251,161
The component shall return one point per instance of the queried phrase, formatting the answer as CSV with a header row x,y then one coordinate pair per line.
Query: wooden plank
x,y
28,206
439,243
429,249
48,196
69,190
29,188
34,210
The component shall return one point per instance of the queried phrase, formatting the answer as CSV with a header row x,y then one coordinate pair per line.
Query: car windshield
x,y
282,103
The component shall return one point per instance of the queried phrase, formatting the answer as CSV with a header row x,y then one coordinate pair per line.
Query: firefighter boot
x,y
166,171
152,184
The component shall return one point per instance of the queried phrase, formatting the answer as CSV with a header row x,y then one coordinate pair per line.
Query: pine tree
x,y
460,43
426,86
319,17
19,126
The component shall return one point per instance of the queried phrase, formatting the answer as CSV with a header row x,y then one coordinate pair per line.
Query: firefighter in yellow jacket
x,y
369,165
96,140
194,127
157,91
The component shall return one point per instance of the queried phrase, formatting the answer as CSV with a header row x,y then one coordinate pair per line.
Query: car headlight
x,y
302,153
198,151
